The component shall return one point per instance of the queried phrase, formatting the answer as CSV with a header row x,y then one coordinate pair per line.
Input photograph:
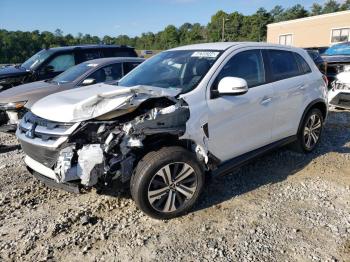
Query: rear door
x,y
239,124
289,84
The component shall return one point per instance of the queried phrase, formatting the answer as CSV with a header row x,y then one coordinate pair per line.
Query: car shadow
x,y
276,166
268,169
6,148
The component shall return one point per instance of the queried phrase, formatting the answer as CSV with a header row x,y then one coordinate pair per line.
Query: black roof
x,y
106,60
63,48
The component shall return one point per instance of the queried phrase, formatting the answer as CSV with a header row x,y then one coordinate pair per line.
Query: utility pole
x,y
224,19
223,30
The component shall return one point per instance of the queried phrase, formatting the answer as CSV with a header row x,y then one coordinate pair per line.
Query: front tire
x,y
167,183
310,132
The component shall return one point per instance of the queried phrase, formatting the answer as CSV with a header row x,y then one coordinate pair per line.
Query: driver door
x,y
242,123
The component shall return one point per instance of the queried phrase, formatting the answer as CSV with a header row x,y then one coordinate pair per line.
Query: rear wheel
x,y
310,132
167,182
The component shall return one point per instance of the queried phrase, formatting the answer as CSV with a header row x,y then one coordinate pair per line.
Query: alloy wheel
x,y
312,131
172,186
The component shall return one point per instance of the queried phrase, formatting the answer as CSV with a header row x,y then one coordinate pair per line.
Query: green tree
x,y
215,26
345,5
17,46
331,6
316,9
294,12
276,13
169,37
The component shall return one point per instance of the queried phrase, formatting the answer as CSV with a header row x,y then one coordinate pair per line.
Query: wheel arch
x,y
168,140
319,104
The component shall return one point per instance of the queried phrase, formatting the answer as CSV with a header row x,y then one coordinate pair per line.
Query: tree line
x,y
17,46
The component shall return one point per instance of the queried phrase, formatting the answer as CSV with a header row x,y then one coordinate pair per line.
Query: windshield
x,y
339,49
36,59
73,73
172,69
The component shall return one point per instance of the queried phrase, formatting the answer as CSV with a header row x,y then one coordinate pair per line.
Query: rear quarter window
x,y
303,65
283,64
90,54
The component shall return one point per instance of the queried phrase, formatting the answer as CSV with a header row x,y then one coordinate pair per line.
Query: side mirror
x,y
233,86
88,81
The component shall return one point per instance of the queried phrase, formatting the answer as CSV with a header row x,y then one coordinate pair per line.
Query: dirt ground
x,y
282,207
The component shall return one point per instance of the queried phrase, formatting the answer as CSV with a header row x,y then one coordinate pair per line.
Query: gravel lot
x,y
282,207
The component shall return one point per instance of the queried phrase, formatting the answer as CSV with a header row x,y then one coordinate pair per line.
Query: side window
x,y
303,65
247,65
62,62
90,54
128,66
283,64
107,73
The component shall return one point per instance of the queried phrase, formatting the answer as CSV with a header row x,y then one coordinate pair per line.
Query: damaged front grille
x,y
40,138
33,127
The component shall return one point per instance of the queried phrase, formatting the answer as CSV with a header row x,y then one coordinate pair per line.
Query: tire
x,y
152,189
308,138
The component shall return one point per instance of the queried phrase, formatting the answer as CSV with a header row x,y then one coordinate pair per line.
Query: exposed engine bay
x,y
104,148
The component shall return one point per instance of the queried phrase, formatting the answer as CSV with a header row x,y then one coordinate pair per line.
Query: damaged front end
x,y
105,148
339,95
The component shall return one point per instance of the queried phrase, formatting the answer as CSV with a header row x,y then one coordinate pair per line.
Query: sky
x,y
116,17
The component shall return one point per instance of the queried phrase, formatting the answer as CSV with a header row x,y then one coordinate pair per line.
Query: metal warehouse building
x,y
315,31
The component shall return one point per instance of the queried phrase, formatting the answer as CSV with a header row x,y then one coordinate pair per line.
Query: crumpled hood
x,y
96,100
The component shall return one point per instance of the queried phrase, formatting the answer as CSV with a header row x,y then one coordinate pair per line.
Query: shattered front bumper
x,y
50,182
339,95
340,99
42,142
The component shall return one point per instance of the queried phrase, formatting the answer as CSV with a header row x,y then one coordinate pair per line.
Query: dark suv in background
x,y
48,63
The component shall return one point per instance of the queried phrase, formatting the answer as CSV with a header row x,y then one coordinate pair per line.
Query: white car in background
x,y
339,95
186,112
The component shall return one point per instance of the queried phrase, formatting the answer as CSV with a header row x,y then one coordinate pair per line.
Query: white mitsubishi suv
x,y
185,114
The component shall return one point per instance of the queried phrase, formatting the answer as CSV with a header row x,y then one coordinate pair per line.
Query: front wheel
x,y
310,132
167,182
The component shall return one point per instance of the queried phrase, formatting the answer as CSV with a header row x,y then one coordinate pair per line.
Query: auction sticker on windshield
x,y
205,54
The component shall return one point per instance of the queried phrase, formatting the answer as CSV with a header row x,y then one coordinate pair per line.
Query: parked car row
x,y
17,100
184,114
49,63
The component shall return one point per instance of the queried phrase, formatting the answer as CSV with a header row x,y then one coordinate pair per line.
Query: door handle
x,y
266,100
